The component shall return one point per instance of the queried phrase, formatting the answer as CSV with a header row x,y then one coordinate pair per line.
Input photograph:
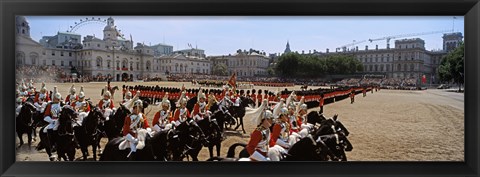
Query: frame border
x,y
9,8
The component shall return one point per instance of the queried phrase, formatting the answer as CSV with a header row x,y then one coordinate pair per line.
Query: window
x,y
399,67
61,53
61,63
53,53
69,54
108,64
98,45
44,62
70,63
53,62
412,67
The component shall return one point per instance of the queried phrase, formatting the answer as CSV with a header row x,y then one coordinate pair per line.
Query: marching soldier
x,y
321,103
133,123
161,120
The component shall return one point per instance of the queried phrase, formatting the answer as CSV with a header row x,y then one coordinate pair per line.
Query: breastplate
x,y
55,110
136,121
263,144
163,118
106,104
284,132
183,115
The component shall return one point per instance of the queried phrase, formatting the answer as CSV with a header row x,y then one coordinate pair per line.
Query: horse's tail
x,y
231,149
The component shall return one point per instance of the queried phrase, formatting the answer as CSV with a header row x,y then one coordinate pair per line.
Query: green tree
x,y
220,69
452,66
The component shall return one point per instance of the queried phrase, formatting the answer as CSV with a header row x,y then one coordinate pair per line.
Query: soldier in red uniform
x,y
258,146
133,123
161,120
52,113
321,103
106,104
280,135
199,110
352,97
72,97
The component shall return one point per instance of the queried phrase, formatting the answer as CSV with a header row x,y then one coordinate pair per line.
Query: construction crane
x,y
407,35
344,47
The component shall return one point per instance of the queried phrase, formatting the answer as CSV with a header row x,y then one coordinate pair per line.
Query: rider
x,y
106,104
128,96
81,107
73,96
182,117
280,135
258,146
18,105
199,110
161,120
52,113
43,92
133,122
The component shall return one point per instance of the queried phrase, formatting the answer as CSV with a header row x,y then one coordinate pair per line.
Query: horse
x,y
64,136
212,130
37,122
239,112
88,134
307,149
112,91
113,126
24,122
155,149
190,142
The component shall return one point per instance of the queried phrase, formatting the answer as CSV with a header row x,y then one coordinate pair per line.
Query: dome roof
x,y
21,19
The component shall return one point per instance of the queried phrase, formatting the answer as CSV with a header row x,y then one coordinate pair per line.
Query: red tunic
x,y
196,109
156,118
126,125
258,141
68,98
321,102
275,134
100,104
176,116
47,98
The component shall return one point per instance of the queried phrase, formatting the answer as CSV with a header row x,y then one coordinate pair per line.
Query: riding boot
x,y
51,139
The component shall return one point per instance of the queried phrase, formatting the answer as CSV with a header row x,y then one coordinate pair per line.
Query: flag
x,y
424,79
233,80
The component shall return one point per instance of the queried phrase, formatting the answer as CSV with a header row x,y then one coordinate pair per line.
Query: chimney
x,y
376,47
388,46
328,50
303,52
366,47
356,48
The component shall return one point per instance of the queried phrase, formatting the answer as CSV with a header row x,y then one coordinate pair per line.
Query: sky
x,y
223,35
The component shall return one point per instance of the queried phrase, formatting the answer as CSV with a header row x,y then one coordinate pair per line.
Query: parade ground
x,y
388,125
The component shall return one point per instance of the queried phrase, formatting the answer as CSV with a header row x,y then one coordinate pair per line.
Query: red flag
x,y
424,79
233,80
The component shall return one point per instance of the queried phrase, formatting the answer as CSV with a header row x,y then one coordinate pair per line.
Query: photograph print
x,y
239,88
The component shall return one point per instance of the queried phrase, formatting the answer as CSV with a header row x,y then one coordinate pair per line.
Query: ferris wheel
x,y
88,21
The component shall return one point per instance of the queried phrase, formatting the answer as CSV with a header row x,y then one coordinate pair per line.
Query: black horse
x,y
24,123
190,140
212,132
307,149
37,122
239,111
88,134
112,127
64,136
155,149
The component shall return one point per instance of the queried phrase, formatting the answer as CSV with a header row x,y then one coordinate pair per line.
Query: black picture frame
x,y
470,9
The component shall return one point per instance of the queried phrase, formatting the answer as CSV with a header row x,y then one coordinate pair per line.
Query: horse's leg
x,y
94,149
241,122
210,150
218,145
29,135
84,149
19,134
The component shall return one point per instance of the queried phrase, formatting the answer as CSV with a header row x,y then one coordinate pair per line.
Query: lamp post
x,y
114,68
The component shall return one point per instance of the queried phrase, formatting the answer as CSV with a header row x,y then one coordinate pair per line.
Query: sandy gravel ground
x,y
389,125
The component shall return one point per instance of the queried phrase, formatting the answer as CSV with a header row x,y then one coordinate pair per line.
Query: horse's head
x,y
26,113
337,143
65,120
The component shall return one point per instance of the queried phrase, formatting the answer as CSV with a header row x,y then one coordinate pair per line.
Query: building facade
x,y
408,59
244,63
113,56
178,63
